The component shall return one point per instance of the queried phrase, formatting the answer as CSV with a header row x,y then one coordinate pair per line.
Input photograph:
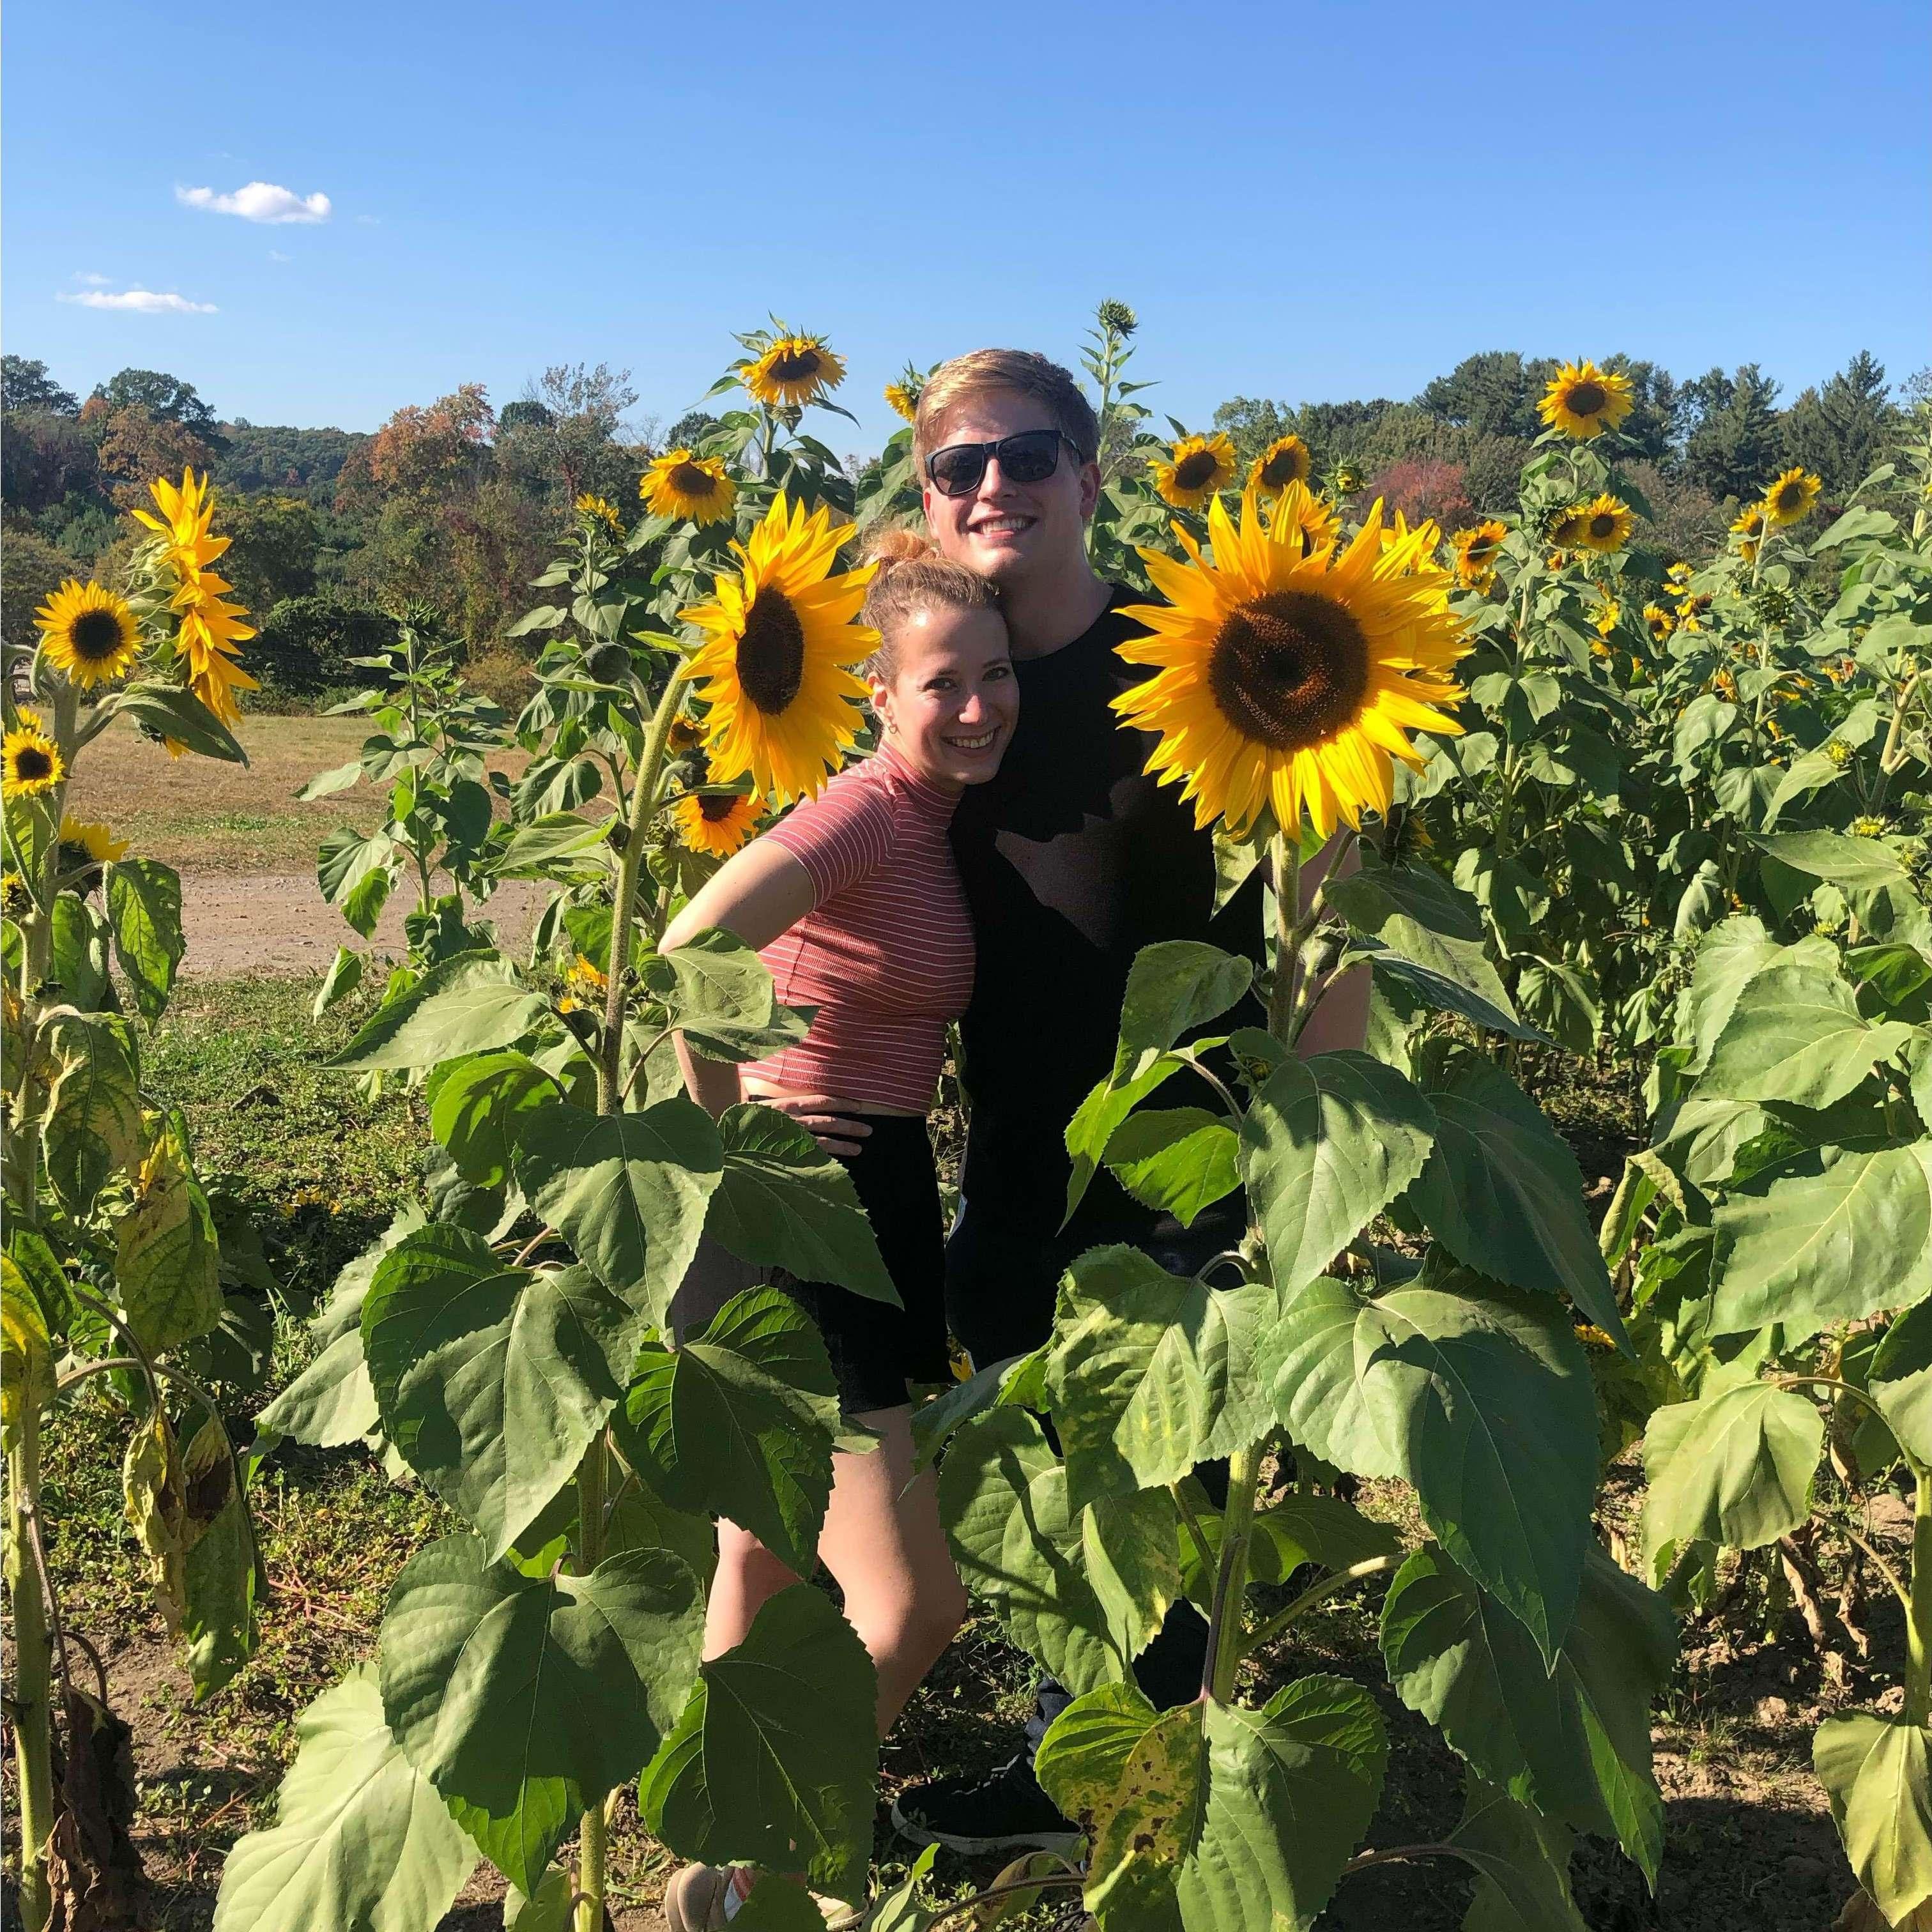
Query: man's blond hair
x,y
1019,371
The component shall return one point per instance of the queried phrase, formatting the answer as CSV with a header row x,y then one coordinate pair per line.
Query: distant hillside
x,y
288,460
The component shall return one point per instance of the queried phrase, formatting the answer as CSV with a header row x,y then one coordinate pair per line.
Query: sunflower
x,y
601,510
715,822
679,484
1868,825
1659,621
1604,525
903,399
1583,400
1748,527
686,733
584,985
30,761
1677,579
793,370
781,704
184,524
89,634
1285,461
1790,499
1604,617
1291,682
211,629
1692,606
1476,550
15,899
1195,470
1317,519
85,843
1346,480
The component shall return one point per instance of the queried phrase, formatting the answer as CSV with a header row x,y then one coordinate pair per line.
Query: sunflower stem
x,y
31,1712
1294,990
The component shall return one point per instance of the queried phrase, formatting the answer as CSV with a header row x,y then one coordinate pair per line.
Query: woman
x,y
854,903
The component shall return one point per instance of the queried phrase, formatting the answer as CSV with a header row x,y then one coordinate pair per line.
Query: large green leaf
x,y
1900,1380
1735,1468
94,1129
221,1570
739,1422
1152,1372
77,965
172,711
1420,917
1521,1862
720,997
1877,1772
524,1700
1176,1160
1099,1117
1307,1362
355,872
478,1105
1731,955
144,907
1830,1235
1018,1543
1328,1143
1503,1193
1172,988
782,1201
1573,1741
168,1256
1484,1394
26,1355
492,1378
628,1192
774,1760
361,1840
1796,1034
468,1004
1849,863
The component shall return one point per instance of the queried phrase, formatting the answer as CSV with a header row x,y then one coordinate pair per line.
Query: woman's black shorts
x,y
877,1349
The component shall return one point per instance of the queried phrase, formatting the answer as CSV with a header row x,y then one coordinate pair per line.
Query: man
x,y
1073,860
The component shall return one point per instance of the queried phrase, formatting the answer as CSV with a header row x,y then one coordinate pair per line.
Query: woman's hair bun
x,y
887,548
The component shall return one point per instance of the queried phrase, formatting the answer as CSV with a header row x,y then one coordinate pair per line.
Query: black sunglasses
x,y
1031,457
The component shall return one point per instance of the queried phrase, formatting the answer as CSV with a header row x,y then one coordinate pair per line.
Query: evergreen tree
x,y
1737,436
1842,430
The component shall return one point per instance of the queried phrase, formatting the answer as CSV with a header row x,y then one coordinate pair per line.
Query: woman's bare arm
x,y
1341,1015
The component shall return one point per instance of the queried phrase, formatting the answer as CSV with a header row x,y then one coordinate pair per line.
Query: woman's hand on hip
x,y
836,1125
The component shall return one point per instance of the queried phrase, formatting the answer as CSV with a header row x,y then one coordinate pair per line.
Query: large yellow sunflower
x,y
1195,471
1583,400
1747,528
187,515
781,704
89,634
695,488
715,822
89,841
30,762
792,371
1790,499
212,630
1604,525
1285,461
1476,550
1291,682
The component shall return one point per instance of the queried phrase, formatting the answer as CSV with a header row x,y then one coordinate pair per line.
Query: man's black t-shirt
x,y
1073,858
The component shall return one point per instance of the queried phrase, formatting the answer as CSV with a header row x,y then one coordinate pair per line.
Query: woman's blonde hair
x,y
911,575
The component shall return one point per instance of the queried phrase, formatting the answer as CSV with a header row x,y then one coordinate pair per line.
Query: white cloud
x,y
143,301
259,201
93,281
276,255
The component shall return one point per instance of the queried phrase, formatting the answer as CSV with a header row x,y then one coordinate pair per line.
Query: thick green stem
x,y
1230,1579
32,1692
1295,990
1372,1566
630,862
1919,1624
593,1835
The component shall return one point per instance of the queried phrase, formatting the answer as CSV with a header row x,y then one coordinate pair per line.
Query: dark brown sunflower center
x,y
1281,469
771,653
31,764
1196,471
715,805
796,365
692,481
1587,399
1790,496
95,636
1602,525
1290,669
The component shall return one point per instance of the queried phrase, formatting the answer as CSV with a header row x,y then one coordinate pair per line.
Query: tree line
x,y
455,504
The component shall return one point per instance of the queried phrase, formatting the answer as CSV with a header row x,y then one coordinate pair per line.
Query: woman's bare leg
x,y
747,1576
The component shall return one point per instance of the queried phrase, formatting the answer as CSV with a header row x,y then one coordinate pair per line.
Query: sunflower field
x,y
1584,804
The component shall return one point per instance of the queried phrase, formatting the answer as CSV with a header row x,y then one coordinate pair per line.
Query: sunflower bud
x,y
611,663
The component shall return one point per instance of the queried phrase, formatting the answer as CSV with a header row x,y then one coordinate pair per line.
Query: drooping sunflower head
x,y
1195,470
1790,499
15,899
1606,614
717,822
694,488
1677,579
781,703
30,761
1285,461
1693,607
1659,622
1565,530
1289,682
792,370
600,510
1748,528
1604,525
84,843
89,634
185,525
1477,549
210,640
904,399
1583,400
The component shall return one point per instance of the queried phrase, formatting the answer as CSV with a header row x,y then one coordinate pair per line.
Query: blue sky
x,y
1307,202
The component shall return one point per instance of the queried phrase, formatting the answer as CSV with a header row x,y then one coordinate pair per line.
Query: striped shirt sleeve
x,y
841,837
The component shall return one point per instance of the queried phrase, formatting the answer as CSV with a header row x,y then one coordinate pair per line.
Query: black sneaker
x,y
1003,1810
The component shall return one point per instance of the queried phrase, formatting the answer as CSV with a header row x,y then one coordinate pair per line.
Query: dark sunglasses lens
x,y
956,470
1032,458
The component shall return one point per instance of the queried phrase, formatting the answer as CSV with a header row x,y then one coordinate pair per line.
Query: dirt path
x,y
278,923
